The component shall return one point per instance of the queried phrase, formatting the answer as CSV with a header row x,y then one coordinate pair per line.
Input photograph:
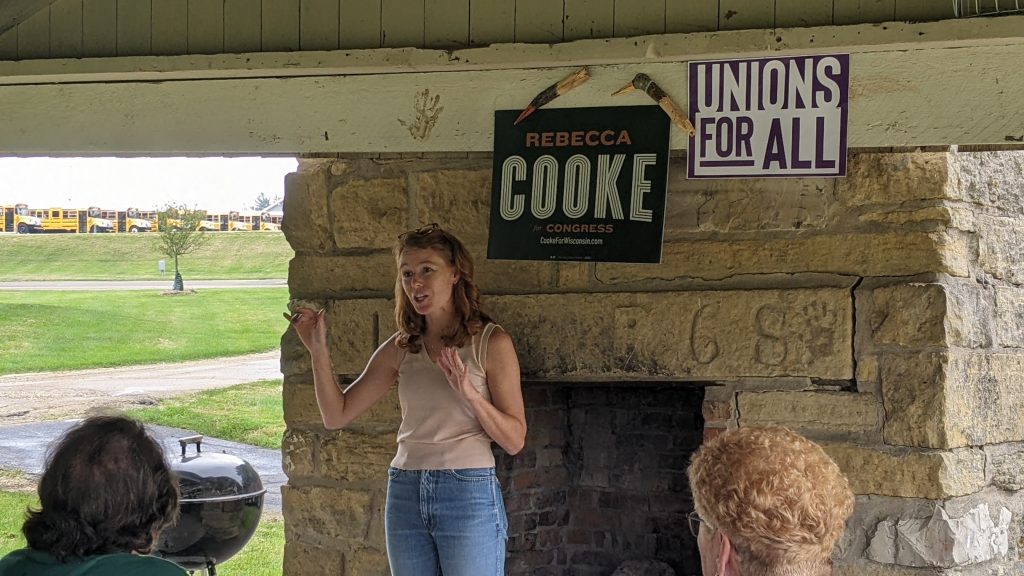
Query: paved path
x,y
154,379
29,402
23,447
139,284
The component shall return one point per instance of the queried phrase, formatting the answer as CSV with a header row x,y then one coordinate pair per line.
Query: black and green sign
x,y
585,184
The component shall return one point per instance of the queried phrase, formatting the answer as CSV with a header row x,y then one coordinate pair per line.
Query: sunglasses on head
x,y
421,231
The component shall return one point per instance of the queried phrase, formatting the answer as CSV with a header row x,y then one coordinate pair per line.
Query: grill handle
x,y
197,440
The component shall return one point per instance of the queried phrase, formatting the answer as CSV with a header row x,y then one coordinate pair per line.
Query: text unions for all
x,y
767,114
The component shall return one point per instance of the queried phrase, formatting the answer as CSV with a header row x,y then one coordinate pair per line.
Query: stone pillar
x,y
881,315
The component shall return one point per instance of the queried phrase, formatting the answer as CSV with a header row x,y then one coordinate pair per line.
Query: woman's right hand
x,y
310,327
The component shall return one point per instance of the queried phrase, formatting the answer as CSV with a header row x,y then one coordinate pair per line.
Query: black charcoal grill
x,y
221,502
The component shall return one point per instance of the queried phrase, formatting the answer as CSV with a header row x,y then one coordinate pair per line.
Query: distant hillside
x,y
228,255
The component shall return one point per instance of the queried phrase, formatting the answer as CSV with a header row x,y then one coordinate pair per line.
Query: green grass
x,y
262,556
12,516
236,255
248,413
50,330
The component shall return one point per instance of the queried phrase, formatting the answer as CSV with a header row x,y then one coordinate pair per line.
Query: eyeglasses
x,y
694,520
421,231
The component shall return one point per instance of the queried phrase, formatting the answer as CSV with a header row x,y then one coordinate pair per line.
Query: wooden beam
x,y
14,12
965,95
642,50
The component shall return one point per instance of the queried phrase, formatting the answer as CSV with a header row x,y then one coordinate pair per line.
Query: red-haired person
x,y
459,389
768,502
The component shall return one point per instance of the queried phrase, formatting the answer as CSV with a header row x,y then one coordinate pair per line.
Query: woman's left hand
x,y
455,371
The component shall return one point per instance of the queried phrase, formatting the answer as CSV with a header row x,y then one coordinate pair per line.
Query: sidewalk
x,y
138,284
23,447
36,408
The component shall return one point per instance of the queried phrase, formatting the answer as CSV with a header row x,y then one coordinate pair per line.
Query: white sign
x,y
774,117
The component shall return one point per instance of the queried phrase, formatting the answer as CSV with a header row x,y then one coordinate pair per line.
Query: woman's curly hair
x,y
465,294
107,488
779,498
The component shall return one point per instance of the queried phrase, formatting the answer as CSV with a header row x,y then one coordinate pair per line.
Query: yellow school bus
x,y
270,223
71,220
237,222
213,223
132,220
151,216
18,219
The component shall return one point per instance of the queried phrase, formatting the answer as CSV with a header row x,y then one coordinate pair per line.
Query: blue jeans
x,y
445,522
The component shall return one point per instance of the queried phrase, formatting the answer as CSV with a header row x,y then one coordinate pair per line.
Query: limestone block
x,y
1008,471
884,254
300,408
887,178
381,418
941,541
909,473
355,328
953,399
324,516
989,178
364,561
760,204
682,334
811,410
305,223
512,276
574,276
301,559
1009,317
910,315
369,213
346,456
1001,248
924,315
294,356
459,200
298,453
334,276
935,215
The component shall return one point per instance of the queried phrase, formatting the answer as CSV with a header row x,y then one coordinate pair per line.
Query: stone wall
x,y
881,314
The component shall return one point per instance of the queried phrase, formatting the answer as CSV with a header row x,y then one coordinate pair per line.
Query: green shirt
x,y
29,562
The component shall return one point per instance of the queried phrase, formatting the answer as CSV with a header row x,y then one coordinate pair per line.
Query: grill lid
x,y
212,477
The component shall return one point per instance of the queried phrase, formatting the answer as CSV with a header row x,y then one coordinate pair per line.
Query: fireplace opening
x,y
602,478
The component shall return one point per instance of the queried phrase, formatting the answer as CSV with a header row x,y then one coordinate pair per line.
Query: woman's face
x,y
427,279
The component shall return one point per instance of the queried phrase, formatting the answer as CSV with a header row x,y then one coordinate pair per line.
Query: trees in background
x,y
263,201
179,235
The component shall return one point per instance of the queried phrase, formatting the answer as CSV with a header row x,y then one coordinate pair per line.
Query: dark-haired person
x,y
458,384
105,495
769,503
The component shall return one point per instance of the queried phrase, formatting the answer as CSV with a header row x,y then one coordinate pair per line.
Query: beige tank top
x,y
439,430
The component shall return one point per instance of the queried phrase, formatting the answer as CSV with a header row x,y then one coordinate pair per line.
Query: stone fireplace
x,y
602,478
881,315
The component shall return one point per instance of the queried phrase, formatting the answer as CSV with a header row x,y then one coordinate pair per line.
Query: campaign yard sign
x,y
769,117
585,184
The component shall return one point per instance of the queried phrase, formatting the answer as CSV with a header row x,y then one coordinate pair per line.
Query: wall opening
x,y
602,479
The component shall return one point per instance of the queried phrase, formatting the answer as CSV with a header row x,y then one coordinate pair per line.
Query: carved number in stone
x,y
771,347
705,349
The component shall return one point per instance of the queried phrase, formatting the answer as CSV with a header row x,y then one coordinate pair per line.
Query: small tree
x,y
179,235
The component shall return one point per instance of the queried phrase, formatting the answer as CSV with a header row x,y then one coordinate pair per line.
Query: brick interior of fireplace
x,y
602,478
